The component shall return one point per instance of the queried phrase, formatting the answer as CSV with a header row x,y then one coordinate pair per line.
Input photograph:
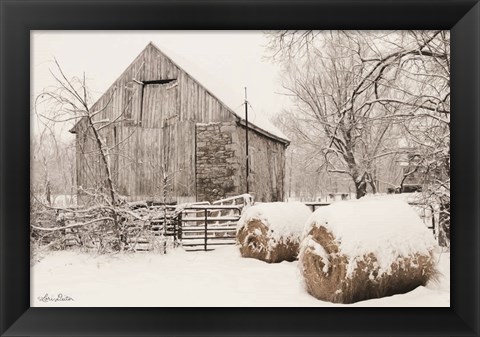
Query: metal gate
x,y
203,226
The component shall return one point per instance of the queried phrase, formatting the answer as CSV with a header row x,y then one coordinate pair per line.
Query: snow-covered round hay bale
x,y
357,250
271,232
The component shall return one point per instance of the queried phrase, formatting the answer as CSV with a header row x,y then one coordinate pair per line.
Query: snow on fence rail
x,y
315,204
242,199
152,228
139,226
155,224
208,227
193,227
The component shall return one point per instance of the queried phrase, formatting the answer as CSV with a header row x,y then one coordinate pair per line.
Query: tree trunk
x,y
118,226
360,189
360,186
103,156
373,183
444,224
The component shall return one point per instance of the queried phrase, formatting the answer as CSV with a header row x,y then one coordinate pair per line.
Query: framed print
x,y
231,168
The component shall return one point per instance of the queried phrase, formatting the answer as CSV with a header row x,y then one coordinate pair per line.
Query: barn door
x,y
159,104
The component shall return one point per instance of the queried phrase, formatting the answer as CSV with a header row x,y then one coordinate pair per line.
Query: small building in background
x,y
173,139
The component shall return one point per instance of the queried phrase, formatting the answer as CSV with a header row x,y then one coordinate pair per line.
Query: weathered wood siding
x,y
194,102
151,119
159,106
149,153
156,105
140,159
267,166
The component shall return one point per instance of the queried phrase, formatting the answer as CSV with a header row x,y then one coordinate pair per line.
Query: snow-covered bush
x,y
356,250
271,231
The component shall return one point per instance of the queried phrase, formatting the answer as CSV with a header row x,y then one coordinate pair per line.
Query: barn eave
x,y
261,131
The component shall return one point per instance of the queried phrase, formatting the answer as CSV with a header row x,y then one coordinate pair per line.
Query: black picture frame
x,y
19,17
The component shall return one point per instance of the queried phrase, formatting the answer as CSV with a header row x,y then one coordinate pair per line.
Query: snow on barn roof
x,y
224,95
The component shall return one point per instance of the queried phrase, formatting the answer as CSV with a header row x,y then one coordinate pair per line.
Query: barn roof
x,y
256,121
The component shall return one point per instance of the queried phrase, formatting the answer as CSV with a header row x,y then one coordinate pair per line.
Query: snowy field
x,y
216,278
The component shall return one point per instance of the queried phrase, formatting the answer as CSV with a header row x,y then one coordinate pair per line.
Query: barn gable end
x,y
163,129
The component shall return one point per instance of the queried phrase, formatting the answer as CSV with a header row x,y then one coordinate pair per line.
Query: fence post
x,y
205,244
179,224
174,224
433,219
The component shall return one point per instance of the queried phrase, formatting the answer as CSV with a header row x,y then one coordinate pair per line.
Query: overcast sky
x,y
228,60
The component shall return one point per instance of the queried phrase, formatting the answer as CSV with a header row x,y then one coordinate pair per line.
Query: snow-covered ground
x,y
217,278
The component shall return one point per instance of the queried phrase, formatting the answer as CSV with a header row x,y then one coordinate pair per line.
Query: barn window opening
x,y
157,102
158,81
152,82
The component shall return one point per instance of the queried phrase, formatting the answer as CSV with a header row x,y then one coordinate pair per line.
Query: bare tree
x,y
107,222
305,178
364,92
52,167
67,103
333,106
367,99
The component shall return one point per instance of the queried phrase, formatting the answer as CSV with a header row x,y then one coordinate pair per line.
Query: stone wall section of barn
x,y
217,164
221,163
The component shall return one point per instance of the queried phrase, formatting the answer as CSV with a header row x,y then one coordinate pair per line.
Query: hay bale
x,y
363,249
271,232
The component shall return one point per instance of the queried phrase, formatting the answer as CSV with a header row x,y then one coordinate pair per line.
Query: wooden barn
x,y
168,135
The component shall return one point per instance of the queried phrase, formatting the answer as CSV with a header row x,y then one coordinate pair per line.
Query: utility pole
x,y
246,138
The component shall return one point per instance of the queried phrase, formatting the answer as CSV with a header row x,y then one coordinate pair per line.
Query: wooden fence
x,y
198,226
